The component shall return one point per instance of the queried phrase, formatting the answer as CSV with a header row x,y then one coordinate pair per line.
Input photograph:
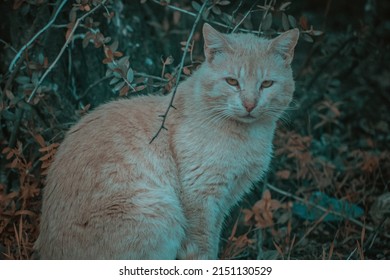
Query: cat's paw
x,y
191,251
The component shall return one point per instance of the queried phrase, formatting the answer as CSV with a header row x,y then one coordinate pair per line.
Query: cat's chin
x,y
246,118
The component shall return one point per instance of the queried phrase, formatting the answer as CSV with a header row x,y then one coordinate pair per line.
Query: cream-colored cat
x,y
112,195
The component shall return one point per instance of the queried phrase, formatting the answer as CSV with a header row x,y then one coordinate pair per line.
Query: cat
x,y
111,194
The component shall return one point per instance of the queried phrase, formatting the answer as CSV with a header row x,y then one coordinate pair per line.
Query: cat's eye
x,y
267,84
232,82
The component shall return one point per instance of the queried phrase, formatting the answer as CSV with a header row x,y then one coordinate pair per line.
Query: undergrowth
x,y
327,194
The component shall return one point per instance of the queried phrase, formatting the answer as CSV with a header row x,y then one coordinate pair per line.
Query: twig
x,y
325,210
68,40
18,55
91,86
164,117
8,45
268,5
244,17
144,75
209,21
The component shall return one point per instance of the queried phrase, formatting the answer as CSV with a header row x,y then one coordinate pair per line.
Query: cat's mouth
x,y
248,118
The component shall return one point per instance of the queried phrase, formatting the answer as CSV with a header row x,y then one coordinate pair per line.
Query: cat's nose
x,y
249,105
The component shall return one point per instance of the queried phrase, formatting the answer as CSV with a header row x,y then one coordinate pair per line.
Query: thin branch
x,y
68,40
8,45
92,86
172,7
325,210
164,117
269,6
18,55
244,17
144,75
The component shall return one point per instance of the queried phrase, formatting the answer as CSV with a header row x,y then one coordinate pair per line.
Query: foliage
x,y
60,59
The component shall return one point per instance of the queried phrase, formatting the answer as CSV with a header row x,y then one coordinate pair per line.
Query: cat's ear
x,y
285,44
214,42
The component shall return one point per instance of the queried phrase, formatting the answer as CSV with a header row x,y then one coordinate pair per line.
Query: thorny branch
x,y
180,70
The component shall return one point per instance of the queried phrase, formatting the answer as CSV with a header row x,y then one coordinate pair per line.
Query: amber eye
x,y
266,84
232,82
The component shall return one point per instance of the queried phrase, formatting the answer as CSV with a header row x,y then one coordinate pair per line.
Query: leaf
x,y
45,157
119,86
124,91
114,46
267,22
303,23
6,150
10,155
169,60
223,3
292,20
22,80
118,73
9,94
196,6
124,62
48,148
139,88
316,32
217,10
130,75
307,38
40,140
312,213
114,80
186,71
283,174
285,22
284,5
176,17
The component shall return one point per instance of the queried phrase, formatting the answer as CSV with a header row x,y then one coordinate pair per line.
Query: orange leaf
x,y
45,157
283,174
40,140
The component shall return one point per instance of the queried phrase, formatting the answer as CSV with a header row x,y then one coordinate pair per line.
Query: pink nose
x,y
249,106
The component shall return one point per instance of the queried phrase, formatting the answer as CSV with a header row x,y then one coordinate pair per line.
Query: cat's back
x,y
104,172
115,135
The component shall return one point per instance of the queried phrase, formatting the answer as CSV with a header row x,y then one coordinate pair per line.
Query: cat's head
x,y
245,77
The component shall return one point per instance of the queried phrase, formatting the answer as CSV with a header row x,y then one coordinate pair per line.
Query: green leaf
x,y
119,86
196,5
309,212
114,80
285,22
292,21
267,22
130,75
307,38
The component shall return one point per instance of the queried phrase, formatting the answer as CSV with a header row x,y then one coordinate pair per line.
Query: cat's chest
x,y
223,164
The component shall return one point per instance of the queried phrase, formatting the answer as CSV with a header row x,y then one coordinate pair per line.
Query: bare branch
x,y
68,40
188,43
18,55
209,21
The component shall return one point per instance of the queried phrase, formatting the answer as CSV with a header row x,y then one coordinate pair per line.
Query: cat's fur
x,y
112,195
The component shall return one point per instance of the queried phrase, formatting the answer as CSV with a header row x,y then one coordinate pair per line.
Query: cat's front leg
x,y
203,230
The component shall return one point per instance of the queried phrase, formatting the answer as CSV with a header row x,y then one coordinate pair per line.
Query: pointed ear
x,y
285,44
214,42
